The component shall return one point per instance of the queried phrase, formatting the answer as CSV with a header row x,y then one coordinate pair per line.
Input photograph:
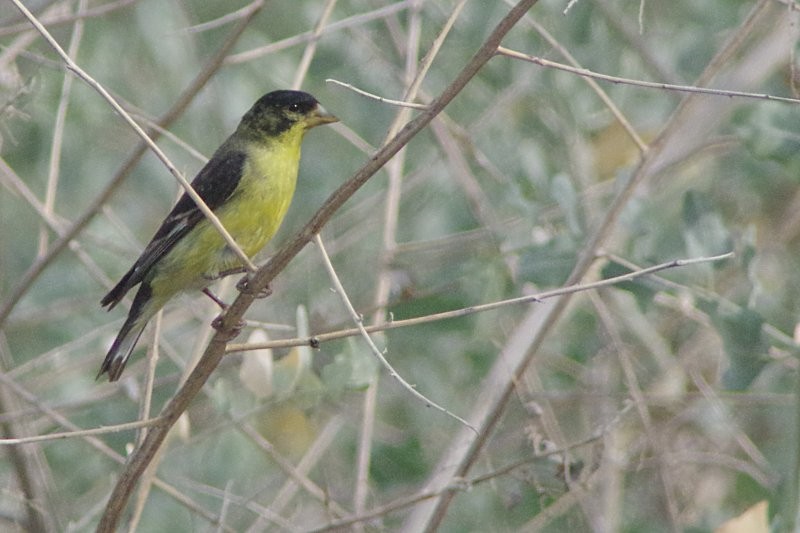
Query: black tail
x,y
128,336
120,289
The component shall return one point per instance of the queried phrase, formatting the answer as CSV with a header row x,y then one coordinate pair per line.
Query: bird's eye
x,y
294,107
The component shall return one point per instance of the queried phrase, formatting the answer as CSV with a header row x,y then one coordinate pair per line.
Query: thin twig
x,y
81,433
293,472
481,308
58,134
569,6
349,22
315,453
34,481
604,97
99,445
642,83
311,48
225,19
57,20
602,302
359,321
466,484
230,319
145,406
414,74
525,340
381,99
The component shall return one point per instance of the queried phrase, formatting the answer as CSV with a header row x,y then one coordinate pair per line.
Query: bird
x,y
248,183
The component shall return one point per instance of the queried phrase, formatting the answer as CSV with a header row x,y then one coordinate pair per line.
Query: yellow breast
x,y
252,215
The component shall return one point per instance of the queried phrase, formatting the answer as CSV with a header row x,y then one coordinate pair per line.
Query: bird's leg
x,y
217,300
230,271
244,286
224,273
219,275
235,330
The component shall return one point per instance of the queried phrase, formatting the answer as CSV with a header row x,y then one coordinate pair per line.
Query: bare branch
x,y
586,73
229,321
337,285
381,99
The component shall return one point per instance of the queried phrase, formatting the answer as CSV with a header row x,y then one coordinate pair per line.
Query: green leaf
x,y
643,289
705,234
353,369
563,191
744,344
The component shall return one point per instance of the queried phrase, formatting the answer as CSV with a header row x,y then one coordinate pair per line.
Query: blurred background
x,y
667,403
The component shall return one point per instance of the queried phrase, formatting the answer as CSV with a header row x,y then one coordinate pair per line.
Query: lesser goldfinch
x,y
248,183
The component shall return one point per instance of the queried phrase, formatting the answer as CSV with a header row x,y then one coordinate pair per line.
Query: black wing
x,y
214,183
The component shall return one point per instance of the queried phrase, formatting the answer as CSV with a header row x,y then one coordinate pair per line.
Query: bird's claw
x,y
218,324
244,286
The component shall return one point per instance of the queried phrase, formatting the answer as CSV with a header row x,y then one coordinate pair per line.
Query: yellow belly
x,y
252,215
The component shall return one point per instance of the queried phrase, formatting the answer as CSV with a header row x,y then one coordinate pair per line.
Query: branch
x,y
586,73
359,321
480,308
229,320
464,485
66,18
362,92
349,22
524,342
80,433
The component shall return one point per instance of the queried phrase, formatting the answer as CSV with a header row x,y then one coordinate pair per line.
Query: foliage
x,y
663,403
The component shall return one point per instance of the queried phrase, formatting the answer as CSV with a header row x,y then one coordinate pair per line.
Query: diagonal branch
x,y
216,349
531,331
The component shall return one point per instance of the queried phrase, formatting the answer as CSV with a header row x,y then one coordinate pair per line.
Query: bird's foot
x,y
218,324
216,299
244,286
225,273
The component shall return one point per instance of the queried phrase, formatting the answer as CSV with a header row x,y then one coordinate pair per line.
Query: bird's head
x,y
278,112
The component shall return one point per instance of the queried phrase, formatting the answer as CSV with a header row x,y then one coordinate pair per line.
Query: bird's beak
x,y
319,116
